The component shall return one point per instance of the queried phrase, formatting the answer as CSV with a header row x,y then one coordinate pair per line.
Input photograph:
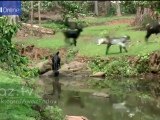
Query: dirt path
x,y
120,21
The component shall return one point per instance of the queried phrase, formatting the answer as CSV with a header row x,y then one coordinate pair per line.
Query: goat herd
x,y
74,33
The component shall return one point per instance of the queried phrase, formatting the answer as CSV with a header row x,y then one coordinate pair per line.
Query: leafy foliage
x,y
9,55
112,11
118,67
121,67
72,9
7,30
15,105
71,53
142,65
128,7
53,113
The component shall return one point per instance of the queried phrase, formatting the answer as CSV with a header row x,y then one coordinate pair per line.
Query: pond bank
x,y
142,66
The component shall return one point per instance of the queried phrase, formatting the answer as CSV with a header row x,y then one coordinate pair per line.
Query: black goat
x,y
74,34
152,28
56,64
70,24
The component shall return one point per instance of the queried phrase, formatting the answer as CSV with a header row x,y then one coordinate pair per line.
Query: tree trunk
x,y
13,19
144,16
96,7
39,12
57,5
107,6
31,14
118,8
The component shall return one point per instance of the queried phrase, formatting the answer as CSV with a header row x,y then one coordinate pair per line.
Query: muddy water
x,y
125,101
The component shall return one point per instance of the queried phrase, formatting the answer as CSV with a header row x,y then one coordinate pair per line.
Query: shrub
x,y
114,68
142,66
9,56
53,113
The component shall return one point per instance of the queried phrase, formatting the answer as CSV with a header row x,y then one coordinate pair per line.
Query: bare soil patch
x,y
120,21
34,53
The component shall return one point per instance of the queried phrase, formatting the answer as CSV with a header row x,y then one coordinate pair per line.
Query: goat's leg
x,y
120,48
125,49
71,43
107,49
147,36
74,42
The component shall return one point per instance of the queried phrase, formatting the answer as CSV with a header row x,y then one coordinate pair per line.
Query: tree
x,y
118,8
39,12
96,7
31,16
107,6
146,12
128,7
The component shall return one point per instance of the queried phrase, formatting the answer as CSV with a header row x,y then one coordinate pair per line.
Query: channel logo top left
x,y
10,8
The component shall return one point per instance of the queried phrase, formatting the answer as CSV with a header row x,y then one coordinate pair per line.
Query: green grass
x,y
98,20
12,99
87,20
86,43
53,42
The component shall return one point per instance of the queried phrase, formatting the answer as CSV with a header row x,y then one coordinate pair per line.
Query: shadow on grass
x,y
115,53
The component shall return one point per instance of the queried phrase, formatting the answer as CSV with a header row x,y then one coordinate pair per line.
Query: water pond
x,y
125,102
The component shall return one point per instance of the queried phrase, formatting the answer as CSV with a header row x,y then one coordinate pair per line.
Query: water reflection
x,y
74,98
97,108
53,90
56,87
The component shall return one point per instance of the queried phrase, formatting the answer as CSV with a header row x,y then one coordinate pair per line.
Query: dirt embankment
x,y
121,21
34,53
79,67
33,30
153,61
37,54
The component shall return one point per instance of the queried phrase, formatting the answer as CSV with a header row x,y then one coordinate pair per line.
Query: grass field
x,y
15,99
86,43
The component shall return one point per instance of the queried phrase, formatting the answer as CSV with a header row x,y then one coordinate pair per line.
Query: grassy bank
x,y
20,101
16,99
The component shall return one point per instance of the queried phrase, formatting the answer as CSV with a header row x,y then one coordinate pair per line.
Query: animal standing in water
x,y
121,41
56,64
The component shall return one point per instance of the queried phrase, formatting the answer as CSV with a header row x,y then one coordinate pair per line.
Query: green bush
x,y
71,53
120,67
142,66
54,113
9,56
114,68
